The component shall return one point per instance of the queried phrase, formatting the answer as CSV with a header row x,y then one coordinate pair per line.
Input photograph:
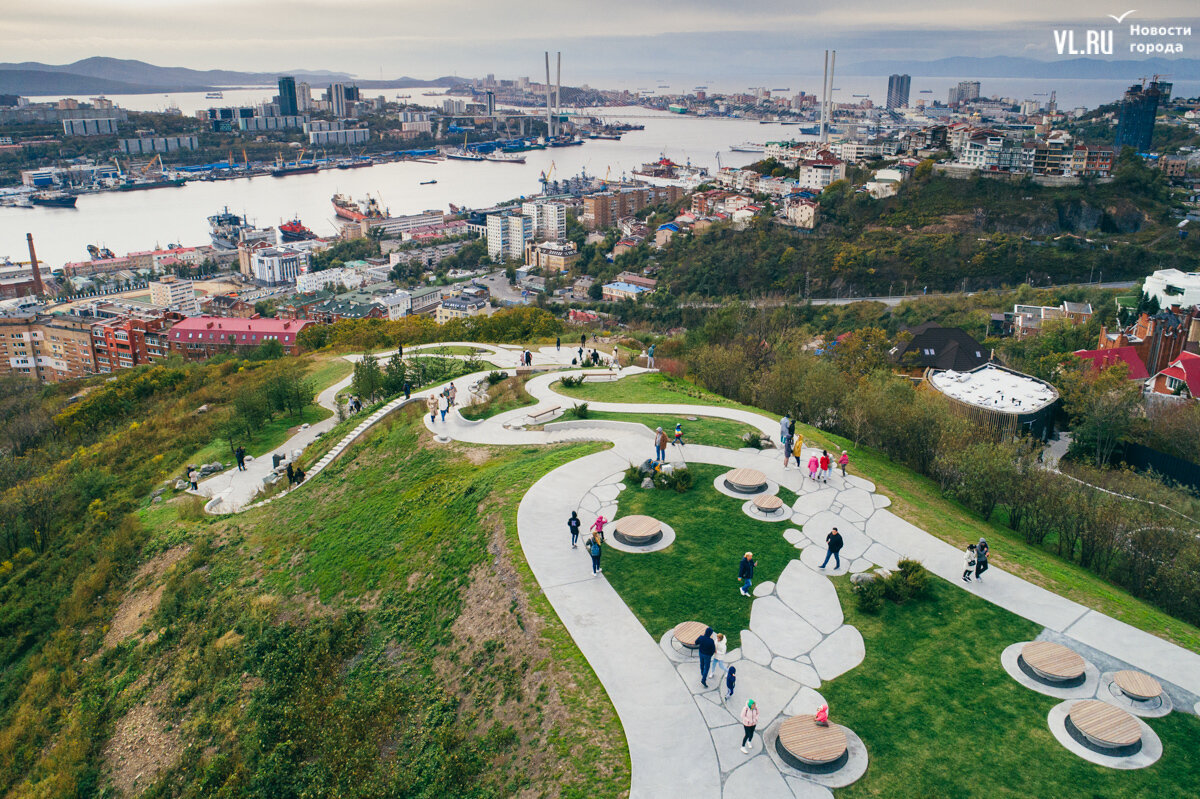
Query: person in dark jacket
x,y
981,558
573,526
291,473
705,646
834,541
746,572
240,454
730,681
407,389
593,548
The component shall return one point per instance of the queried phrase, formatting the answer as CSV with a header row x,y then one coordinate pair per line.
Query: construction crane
x,y
150,164
544,179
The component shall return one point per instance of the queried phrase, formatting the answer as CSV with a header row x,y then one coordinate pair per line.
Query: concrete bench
x,y
553,409
600,377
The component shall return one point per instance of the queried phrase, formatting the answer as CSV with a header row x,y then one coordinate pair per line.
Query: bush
x,y
752,440
868,596
894,587
571,382
496,377
634,476
191,509
916,577
580,411
680,480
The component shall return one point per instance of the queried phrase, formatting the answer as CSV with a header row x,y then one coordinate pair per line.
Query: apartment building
x,y
549,219
553,257
603,209
275,266
507,234
47,348
175,294
123,342
199,337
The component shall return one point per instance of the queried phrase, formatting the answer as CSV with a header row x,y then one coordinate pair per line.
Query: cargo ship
x,y
54,199
294,231
225,229
665,172
353,211
293,169
356,163
463,155
505,158
141,185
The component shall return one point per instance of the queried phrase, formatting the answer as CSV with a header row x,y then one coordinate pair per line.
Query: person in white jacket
x,y
718,661
443,405
968,563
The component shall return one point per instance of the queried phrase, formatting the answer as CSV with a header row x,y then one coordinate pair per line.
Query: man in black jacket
x,y
834,540
706,646
746,572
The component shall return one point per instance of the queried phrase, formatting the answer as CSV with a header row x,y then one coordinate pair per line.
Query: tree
x,y
863,351
368,378
1102,405
394,375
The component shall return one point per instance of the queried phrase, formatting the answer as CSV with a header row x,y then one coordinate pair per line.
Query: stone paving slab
x,y
857,500
840,652
800,672
812,557
794,536
728,743
811,595
806,701
758,779
815,502
781,628
854,541
754,649
714,715
803,789
763,589
770,690
879,554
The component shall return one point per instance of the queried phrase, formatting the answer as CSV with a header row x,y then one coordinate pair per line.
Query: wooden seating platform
x,y
638,531
545,412
1107,726
768,504
600,377
687,632
802,742
1138,686
746,481
1052,662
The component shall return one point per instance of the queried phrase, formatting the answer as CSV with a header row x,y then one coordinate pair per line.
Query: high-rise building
x,y
506,236
897,95
337,100
1135,126
303,97
288,106
175,295
964,92
549,220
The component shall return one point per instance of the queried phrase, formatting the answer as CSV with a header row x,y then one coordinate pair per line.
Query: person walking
x,y
299,475
291,473
679,433
814,463
650,357
719,656
730,681
431,403
746,572
825,464
443,405
407,390
194,479
783,428
453,394
834,542
843,462
968,562
749,722
981,558
787,450
557,343
706,647
598,528
581,356
573,524
582,342
593,549
240,454
660,445
400,351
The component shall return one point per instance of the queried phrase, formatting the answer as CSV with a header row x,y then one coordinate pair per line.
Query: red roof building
x,y
200,337
1102,359
1180,378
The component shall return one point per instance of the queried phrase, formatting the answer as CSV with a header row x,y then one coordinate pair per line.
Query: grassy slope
x,y
696,577
917,499
706,430
343,601
940,717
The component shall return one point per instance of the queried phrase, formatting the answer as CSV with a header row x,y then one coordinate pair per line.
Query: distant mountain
x,y
119,76
40,81
1008,67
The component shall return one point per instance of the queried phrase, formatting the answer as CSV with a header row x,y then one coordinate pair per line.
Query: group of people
x,y
295,474
819,466
441,401
975,558
661,440
594,545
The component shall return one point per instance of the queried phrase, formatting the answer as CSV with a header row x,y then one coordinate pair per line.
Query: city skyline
x,y
621,41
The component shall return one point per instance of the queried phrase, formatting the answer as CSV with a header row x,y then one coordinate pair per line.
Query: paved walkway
x,y
681,739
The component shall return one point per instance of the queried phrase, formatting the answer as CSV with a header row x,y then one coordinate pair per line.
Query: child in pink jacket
x,y
814,464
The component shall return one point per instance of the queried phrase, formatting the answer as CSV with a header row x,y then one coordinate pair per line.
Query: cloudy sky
x,y
600,39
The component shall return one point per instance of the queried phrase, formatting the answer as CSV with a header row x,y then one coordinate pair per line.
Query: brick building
x,y
200,337
48,348
602,210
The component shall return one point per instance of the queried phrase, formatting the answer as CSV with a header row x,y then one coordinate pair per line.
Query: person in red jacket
x,y
825,463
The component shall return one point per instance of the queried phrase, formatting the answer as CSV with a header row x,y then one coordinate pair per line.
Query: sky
x,y
601,40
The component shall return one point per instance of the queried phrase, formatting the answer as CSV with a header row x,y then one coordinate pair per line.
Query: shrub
x,y
894,587
869,596
633,476
580,411
496,377
916,577
752,440
191,509
680,481
571,382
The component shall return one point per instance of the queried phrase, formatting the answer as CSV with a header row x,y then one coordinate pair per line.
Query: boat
x,y
225,229
357,163
607,136
748,147
347,209
925,91
53,199
294,231
431,94
293,169
214,96
860,95
505,158
565,141
463,155
427,182
99,253
665,172
141,185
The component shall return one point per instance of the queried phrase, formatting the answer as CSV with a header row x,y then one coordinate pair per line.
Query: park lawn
x,y
265,439
940,717
918,500
325,371
695,578
384,607
706,430
509,394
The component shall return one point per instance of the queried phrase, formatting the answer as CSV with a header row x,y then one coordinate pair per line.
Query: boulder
x,y
156,500
181,485
203,409
248,458
647,483
158,492
863,577
304,426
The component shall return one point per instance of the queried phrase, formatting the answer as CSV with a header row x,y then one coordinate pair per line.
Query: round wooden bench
x,y
1052,662
746,481
804,744
1138,686
768,504
687,632
1105,726
638,531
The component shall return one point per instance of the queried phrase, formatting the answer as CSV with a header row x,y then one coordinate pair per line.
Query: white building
x,y
819,172
351,136
315,281
175,295
801,212
506,236
270,123
303,97
549,219
274,266
398,305
157,144
392,225
1173,287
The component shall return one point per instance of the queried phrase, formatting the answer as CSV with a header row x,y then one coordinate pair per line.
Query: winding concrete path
x,y
683,740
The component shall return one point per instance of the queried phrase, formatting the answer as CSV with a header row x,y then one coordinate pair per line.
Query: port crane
x,y
544,179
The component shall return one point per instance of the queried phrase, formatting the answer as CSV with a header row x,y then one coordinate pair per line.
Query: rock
x,y
181,485
647,483
217,465
158,492
304,426
862,577
296,453
156,501
249,458
203,409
